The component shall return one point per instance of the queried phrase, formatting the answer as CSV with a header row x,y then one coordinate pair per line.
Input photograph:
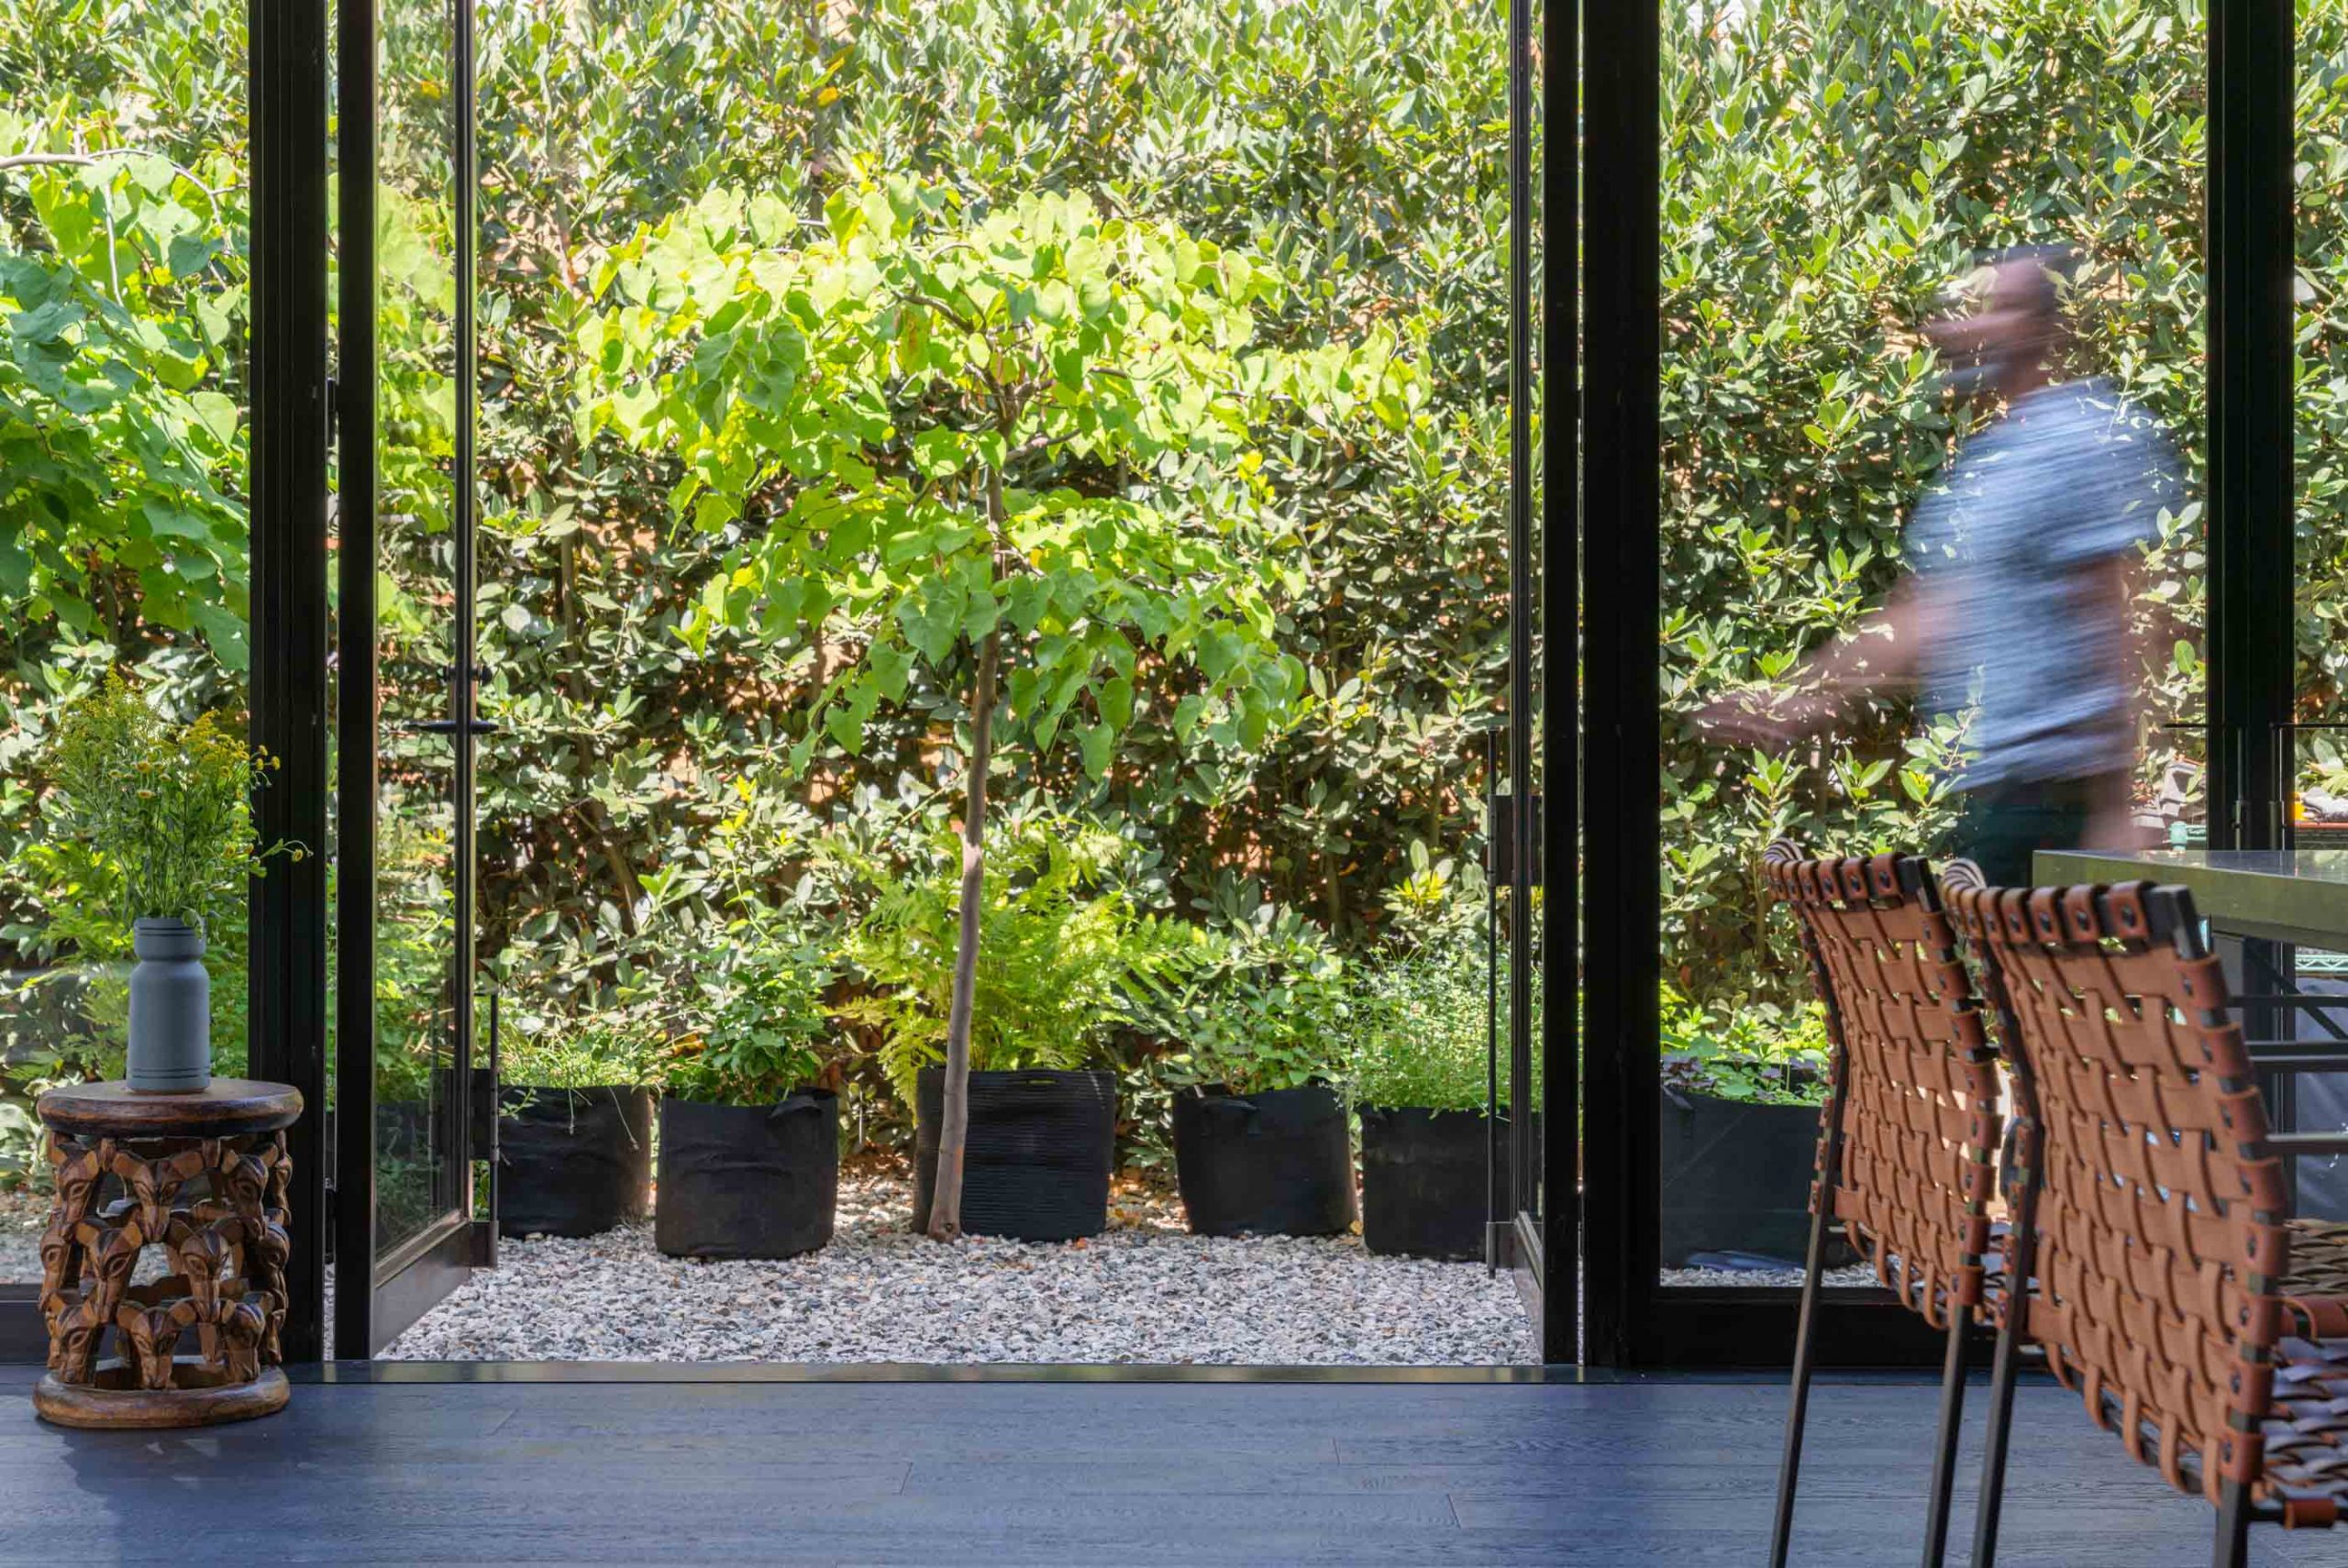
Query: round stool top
x,y
222,1109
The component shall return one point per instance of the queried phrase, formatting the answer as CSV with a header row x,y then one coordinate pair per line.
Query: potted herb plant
x,y
574,1130
1740,1133
1418,1073
163,812
1262,1141
749,1146
1063,956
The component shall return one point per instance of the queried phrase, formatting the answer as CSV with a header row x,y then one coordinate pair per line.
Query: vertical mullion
x,y
1521,583
1560,676
288,954
355,789
1620,425
2253,563
461,638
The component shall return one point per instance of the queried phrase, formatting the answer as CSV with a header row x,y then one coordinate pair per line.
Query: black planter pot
x,y
1736,1178
748,1181
573,1162
1037,1157
1274,1163
1424,1189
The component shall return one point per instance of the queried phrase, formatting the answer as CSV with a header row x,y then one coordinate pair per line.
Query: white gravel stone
x,y
23,1215
1759,1278
1145,1291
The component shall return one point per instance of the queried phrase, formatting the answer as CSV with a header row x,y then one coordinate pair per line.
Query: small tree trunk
x,y
953,1132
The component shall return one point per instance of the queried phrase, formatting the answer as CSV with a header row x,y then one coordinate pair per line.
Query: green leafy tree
x,y
996,464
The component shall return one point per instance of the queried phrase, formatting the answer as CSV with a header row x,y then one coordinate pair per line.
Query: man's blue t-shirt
x,y
2028,644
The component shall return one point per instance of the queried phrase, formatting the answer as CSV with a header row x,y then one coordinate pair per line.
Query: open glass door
x,y
404,1231
1535,890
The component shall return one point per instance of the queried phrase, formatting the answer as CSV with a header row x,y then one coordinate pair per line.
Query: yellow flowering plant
x,y
167,807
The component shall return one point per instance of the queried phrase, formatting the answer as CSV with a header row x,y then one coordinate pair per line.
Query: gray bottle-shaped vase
x,y
170,1010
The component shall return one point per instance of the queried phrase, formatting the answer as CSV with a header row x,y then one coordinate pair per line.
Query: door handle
x,y
449,726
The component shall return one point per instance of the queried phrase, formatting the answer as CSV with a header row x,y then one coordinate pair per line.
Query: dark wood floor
x,y
1022,1473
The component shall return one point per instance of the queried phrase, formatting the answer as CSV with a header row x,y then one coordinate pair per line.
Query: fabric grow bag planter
x,y
1274,1163
748,1181
1423,1180
1038,1156
1736,1178
573,1162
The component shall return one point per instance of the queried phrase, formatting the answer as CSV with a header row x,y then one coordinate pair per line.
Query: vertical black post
x,y
355,782
1521,586
1560,369
1495,1156
1621,721
288,65
2252,566
462,640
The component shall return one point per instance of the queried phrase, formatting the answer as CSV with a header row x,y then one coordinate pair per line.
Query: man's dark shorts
x,y
2002,825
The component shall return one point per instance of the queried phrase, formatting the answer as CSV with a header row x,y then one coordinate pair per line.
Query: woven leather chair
x,y
2151,1210
1907,1137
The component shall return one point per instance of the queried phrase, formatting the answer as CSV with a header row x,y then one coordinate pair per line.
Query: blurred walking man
x,y
2015,617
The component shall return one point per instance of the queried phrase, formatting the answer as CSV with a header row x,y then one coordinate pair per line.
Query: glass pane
x,y
2318,756
1528,1070
415,811
1931,414
122,486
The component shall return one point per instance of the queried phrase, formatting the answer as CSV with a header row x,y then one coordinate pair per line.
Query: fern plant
x,y
1064,955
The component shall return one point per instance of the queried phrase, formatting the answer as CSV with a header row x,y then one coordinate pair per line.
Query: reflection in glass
x,y
2316,755
1932,391
415,627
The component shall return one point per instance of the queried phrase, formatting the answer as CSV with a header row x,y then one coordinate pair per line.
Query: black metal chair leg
x,y
1993,1450
1944,1450
2233,1548
1789,1467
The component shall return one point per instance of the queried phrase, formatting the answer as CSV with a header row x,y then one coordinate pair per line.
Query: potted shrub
x,y
574,1130
1063,955
1262,1141
749,1146
1740,1133
1418,1076
161,816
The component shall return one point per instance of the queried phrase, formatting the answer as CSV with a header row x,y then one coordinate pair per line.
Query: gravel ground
x,y
1145,1291
1753,1278
23,1215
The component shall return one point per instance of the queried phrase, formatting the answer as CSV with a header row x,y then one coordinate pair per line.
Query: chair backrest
x,y
1909,1130
2158,1238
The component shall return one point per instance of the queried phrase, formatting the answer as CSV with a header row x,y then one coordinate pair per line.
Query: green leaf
x,y
1097,742
1117,702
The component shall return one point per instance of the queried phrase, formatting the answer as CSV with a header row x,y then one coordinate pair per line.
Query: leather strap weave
x,y
2158,1241
1909,1130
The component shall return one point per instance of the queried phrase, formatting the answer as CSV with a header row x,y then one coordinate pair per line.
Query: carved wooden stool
x,y
202,1176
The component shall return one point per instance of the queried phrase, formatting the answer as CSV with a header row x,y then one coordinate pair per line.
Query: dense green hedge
x,y
1828,169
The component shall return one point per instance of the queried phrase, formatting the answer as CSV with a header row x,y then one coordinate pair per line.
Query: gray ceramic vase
x,y
170,1010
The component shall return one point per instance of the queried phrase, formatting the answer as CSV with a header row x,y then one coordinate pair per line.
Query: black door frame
x,y
1632,1320
1543,586
289,454
378,1297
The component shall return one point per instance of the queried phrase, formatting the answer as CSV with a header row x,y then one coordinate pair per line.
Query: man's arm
x,y
1886,652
